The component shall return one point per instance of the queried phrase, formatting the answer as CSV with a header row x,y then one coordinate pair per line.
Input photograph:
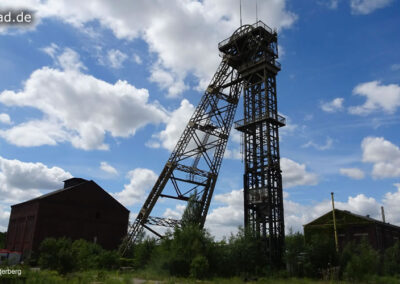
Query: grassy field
x,y
141,277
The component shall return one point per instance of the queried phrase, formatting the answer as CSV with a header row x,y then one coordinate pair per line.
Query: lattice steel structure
x,y
195,162
248,64
263,200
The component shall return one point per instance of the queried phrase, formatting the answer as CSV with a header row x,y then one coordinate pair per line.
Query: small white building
x,y
9,257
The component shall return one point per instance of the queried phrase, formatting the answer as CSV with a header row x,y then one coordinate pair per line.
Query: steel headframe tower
x,y
263,201
249,64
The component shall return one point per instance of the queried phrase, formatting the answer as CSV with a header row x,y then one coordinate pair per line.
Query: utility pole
x,y
334,223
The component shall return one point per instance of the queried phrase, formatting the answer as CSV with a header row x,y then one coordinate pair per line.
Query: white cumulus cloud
x,y
104,166
175,124
234,154
384,155
226,218
20,181
5,118
4,217
297,215
391,203
353,173
51,50
378,97
328,144
174,30
364,7
141,182
333,106
69,60
116,58
294,174
137,59
78,108
175,213
227,215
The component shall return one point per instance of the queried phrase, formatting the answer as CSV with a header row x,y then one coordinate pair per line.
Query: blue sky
x,y
102,91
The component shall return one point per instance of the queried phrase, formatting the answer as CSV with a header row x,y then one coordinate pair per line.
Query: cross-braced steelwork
x,y
249,64
194,164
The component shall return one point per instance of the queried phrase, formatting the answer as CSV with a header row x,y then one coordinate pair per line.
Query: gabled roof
x,y
55,191
344,216
70,184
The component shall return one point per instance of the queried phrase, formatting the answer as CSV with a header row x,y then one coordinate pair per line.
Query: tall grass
x,y
117,277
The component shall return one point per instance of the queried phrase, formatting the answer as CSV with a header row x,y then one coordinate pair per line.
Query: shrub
x,y
320,254
363,262
199,267
187,243
142,252
86,254
56,255
295,248
108,260
185,251
247,253
392,260
220,260
65,256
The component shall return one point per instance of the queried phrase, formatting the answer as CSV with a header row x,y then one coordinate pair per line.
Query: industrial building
x,y
80,210
353,227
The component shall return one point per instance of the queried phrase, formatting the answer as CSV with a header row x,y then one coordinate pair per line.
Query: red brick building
x,y
81,210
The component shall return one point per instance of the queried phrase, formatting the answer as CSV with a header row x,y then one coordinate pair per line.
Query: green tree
x,y
191,215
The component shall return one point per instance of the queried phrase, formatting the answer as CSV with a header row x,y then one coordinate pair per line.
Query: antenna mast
x,y
256,11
